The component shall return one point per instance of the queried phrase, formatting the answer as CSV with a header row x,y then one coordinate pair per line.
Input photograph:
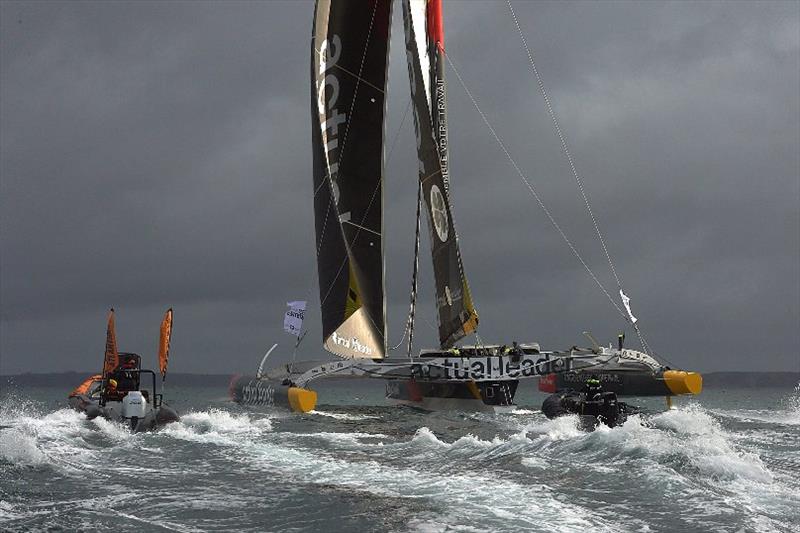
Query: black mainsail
x,y
349,60
425,52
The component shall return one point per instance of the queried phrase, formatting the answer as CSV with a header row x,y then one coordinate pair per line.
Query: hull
x,y
627,382
266,392
153,417
491,397
482,396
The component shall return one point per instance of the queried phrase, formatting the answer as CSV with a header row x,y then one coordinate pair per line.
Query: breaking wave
x,y
405,470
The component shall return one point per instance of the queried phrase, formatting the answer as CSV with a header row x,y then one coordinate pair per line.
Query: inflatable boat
x,y
123,393
592,408
122,398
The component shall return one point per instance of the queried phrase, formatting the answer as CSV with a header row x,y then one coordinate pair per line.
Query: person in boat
x,y
111,391
515,352
621,340
592,389
127,375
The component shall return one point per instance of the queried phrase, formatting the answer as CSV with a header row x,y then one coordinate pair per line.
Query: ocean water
x,y
728,460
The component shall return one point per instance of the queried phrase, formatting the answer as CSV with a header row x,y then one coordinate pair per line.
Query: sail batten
x,y
425,53
349,59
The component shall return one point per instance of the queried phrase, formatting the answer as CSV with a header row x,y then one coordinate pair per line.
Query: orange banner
x,y
163,342
111,359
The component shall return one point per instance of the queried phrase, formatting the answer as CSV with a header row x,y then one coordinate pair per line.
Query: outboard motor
x,y
134,407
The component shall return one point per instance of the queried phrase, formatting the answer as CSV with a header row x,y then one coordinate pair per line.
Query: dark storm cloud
x,y
157,154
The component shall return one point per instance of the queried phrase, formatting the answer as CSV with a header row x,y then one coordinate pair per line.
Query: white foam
x,y
425,437
221,421
20,449
557,429
216,426
690,431
350,437
343,416
54,439
115,431
8,511
497,502
439,525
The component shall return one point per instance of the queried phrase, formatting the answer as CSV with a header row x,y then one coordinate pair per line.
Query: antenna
x,y
261,365
595,344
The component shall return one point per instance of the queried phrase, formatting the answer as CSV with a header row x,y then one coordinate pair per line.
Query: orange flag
x,y
111,360
163,343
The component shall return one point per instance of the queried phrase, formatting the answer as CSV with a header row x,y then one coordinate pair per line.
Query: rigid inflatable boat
x,y
122,393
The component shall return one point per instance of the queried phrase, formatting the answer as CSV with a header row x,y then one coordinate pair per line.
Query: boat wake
x,y
241,470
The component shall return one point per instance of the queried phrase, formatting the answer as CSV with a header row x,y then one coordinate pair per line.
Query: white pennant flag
x,y
627,303
293,319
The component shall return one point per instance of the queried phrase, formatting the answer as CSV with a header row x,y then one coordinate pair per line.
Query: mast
x,y
425,53
349,59
415,274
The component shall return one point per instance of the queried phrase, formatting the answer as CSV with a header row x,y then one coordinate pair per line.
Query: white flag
x,y
293,319
627,303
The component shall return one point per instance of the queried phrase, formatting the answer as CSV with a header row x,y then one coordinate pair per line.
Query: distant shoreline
x,y
711,380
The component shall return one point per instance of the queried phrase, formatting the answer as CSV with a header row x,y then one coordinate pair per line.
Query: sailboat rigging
x,y
349,64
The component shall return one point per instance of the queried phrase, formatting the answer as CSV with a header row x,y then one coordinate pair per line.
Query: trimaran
x,y
349,63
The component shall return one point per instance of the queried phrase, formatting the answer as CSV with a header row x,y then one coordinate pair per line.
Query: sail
x,y
111,358
349,59
425,53
165,335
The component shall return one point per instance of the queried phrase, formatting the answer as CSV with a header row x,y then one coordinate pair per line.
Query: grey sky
x,y
158,154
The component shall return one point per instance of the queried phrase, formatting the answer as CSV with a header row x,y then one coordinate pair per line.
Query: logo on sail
x,y
439,214
352,343
330,118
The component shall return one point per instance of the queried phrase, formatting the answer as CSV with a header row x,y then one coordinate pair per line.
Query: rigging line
x,y
358,77
409,329
353,74
369,206
564,143
532,190
388,158
578,180
358,84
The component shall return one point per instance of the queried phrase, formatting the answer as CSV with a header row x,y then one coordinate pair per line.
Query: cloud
x,y
158,155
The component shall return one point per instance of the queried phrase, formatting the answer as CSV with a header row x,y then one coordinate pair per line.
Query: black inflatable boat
x,y
591,408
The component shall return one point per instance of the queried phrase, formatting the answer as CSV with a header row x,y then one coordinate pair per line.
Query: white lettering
x,y
330,118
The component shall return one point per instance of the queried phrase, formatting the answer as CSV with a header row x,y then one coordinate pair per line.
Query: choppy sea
x,y
728,460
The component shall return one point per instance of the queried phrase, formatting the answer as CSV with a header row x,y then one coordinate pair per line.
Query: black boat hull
x,y
605,408
485,396
154,417
254,391
627,382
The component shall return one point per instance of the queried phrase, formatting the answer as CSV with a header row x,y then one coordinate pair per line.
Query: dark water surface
x,y
728,460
